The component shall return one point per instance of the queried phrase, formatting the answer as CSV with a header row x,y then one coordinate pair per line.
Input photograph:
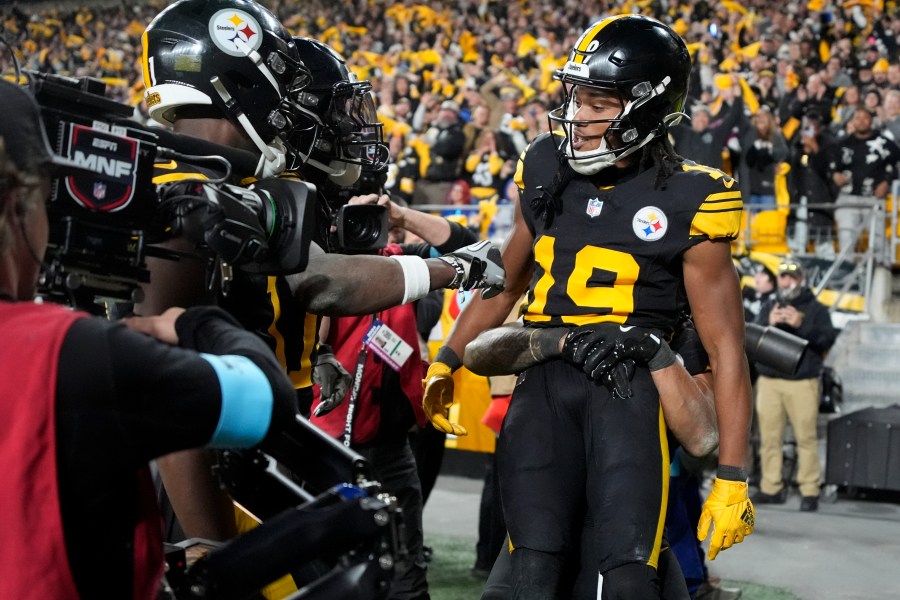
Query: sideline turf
x,y
450,578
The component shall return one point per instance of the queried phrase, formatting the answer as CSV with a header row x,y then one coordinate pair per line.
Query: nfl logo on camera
x,y
594,206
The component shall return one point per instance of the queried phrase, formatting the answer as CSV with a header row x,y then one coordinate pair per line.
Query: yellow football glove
x,y
438,399
729,508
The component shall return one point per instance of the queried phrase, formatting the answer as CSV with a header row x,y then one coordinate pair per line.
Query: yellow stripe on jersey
x,y
519,176
302,377
722,202
585,41
720,217
543,256
168,166
664,498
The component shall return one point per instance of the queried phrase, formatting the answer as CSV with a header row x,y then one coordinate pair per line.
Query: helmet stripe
x,y
584,43
145,62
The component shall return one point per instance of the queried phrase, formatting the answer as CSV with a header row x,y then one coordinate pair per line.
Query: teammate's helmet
x,y
642,61
345,135
225,58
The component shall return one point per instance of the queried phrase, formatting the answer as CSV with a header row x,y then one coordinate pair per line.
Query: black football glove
x,y
589,345
636,343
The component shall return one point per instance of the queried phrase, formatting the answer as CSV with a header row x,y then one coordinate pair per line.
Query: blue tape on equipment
x,y
246,402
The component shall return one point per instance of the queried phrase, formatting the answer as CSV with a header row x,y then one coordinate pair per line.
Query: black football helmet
x,y
645,64
344,136
226,58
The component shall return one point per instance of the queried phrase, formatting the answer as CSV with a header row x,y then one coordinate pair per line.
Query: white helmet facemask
x,y
591,162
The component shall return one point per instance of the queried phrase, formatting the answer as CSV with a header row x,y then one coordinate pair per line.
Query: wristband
x,y
446,355
458,267
730,473
416,277
663,358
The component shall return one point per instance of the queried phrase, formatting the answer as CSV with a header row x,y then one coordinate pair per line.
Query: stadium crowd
x,y
463,87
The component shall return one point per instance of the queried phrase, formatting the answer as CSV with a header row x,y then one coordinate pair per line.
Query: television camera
x,y
104,225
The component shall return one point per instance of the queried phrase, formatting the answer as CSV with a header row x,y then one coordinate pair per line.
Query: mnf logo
x,y
112,158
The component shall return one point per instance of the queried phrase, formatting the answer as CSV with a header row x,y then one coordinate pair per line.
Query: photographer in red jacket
x,y
87,403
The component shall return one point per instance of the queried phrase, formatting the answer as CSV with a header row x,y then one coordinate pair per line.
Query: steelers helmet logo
x,y
235,32
650,224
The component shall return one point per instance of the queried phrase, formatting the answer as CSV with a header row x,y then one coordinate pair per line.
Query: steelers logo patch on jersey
x,y
650,224
235,32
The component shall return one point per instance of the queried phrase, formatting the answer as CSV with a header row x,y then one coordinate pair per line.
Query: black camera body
x,y
104,225
100,226
774,347
361,228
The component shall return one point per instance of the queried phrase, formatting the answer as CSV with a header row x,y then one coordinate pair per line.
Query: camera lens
x,y
361,229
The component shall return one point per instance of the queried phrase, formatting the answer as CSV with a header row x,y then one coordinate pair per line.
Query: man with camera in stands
x,y
794,396
88,402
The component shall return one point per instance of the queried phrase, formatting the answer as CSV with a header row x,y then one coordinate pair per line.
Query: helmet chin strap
x,y
340,172
273,160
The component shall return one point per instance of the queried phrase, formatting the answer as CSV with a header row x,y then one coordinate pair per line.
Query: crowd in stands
x,y
462,87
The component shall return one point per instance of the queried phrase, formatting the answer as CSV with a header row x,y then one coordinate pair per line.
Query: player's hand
x,y
333,380
438,398
618,379
589,340
635,343
589,345
478,266
729,510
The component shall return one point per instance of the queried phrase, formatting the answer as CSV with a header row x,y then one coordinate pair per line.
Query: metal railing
x,y
846,270
797,239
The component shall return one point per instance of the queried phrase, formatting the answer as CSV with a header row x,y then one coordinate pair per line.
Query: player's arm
x,y
338,285
713,291
686,399
479,314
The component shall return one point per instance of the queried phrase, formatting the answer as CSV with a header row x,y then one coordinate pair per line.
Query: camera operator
x,y
795,396
385,401
90,402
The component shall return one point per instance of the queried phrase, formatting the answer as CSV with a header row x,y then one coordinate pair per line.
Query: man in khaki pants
x,y
795,396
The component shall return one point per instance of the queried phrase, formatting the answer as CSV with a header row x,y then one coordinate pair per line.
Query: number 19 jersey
x,y
614,254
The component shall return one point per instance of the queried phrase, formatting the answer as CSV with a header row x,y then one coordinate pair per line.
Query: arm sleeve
x,y
147,398
459,236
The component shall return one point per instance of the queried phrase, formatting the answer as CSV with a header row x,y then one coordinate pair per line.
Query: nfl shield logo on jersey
x,y
594,206
650,224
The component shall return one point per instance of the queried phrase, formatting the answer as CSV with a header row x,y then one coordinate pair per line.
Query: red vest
x,y
33,559
345,336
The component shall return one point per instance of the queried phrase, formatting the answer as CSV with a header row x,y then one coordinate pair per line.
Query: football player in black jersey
x,y
612,227
228,72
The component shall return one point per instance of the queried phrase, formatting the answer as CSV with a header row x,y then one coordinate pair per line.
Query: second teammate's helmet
x,y
225,58
345,135
642,61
